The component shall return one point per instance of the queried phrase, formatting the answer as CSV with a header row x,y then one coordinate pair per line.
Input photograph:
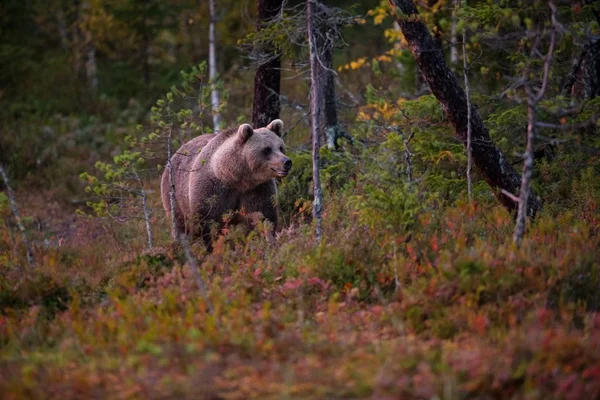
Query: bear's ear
x,y
276,126
245,131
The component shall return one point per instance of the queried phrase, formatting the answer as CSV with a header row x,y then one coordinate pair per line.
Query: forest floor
x,y
452,310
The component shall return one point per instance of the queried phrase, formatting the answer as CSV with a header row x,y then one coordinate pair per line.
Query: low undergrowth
x,y
444,307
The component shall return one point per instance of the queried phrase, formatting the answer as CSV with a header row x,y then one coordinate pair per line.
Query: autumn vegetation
x,y
416,289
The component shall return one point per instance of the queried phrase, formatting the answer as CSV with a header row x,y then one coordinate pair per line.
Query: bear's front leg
x,y
261,200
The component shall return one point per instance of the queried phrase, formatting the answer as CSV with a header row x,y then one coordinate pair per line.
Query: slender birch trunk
x,y
453,44
525,190
15,210
174,229
316,107
91,68
533,98
212,65
469,133
145,209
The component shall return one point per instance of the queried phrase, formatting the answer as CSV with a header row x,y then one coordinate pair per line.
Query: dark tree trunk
x,y
583,81
268,74
490,161
324,50
330,109
332,131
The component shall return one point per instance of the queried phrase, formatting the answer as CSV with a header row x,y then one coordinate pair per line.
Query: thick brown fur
x,y
228,171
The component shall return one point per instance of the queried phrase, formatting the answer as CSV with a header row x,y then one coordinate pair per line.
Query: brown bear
x,y
232,170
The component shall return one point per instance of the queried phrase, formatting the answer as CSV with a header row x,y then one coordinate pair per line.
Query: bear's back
x,y
192,161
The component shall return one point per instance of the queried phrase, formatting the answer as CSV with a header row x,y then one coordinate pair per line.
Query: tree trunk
x,y
453,42
15,210
145,209
533,98
267,79
62,28
212,64
525,190
583,81
91,69
77,40
332,130
324,51
491,161
331,116
315,107
145,51
469,108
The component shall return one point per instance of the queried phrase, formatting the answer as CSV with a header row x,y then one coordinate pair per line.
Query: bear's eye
x,y
281,149
267,151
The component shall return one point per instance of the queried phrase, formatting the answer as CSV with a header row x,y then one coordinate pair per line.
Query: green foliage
x,y
121,184
120,180
336,168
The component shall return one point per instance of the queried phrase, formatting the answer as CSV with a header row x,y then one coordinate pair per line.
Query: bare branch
x,y
592,121
146,210
195,271
510,196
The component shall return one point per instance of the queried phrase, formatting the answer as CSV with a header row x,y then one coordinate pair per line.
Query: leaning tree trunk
x,y
266,106
490,161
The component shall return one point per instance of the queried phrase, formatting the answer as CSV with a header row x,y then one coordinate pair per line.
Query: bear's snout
x,y
287,165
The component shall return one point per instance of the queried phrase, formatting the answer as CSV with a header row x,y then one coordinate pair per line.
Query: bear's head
x,y
259,156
